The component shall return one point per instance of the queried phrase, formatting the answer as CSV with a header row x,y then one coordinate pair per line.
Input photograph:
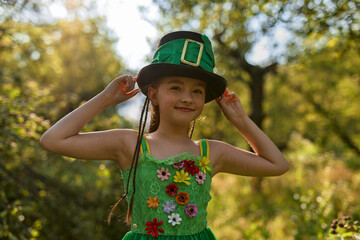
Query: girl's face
x,y
180,99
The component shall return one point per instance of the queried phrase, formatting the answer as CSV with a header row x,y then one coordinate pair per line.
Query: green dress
x,y
171,196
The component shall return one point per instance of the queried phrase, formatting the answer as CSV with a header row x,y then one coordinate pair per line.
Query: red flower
x,y
152,227
171,189
191,168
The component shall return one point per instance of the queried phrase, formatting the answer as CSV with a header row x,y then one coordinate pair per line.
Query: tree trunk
x,y
257,112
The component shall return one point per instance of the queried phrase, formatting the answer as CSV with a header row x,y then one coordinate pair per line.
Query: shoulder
x,y
217,147
126,132
125,136
126,141
216,150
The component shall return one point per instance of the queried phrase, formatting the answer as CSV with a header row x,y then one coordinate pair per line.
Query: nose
x,y
186,97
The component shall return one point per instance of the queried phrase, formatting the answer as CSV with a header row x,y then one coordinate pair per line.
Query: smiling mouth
x,y
184,109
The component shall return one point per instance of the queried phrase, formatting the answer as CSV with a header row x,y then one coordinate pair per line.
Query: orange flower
x,y
182,198
153,202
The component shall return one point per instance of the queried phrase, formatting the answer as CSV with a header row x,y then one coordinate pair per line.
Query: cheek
x,y
201,107
200,102
166,103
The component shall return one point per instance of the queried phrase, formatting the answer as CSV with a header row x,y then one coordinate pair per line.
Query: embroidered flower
x,y
191,210
174,219
163,174
182,198
153,228
179,165
191,168
182,177
153,202
169,206
204,164
200,177
171,189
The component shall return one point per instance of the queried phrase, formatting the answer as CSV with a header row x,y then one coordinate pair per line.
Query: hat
x,y
184,54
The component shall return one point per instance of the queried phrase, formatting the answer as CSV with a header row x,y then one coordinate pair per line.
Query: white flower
x,y
174,219
169,206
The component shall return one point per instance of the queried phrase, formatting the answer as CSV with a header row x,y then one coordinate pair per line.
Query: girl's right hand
x,y
120,90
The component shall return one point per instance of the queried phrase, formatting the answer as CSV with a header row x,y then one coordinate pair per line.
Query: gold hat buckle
x,y
199,54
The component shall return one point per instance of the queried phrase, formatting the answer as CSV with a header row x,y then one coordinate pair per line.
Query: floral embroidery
x,y
200,177
153,202
153,228
174,219
163,174
171,189
179,165
204,164
191,168
182,198
191,210
169,206
182,177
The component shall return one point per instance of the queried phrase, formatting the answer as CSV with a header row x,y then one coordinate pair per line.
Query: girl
x,y
167,175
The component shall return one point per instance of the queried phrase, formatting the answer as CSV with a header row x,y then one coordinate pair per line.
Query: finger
x,y
131,83
134,90
132,93
218,99
227,92
127,84
233,96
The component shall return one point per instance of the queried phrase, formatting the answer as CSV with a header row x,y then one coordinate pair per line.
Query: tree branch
x,y
337,129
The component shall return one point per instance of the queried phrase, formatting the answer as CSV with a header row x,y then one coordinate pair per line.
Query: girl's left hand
x,y
231,106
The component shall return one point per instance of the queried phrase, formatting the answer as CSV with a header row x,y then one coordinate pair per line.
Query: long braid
x,y
136,158
134,162
139,138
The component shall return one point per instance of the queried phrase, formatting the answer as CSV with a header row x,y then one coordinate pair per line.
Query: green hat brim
x,y
215,84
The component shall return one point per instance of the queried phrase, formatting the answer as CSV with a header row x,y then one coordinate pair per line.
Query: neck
x,y
172,132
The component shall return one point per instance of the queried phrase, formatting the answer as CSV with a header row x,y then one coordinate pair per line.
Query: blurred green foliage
x,y
46,70
299,205
310,107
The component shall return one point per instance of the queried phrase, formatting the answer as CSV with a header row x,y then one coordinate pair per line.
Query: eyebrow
x,y
201,83
175,81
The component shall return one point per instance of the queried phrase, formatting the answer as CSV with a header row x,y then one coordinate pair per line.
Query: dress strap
x,y
144,145
204,148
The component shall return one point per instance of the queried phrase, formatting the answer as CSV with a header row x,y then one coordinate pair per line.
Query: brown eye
x,y
198,91
175,88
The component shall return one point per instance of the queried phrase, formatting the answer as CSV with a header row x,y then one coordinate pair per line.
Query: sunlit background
x,y
294,65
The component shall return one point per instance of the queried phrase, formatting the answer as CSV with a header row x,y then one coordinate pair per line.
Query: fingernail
x,y
227,92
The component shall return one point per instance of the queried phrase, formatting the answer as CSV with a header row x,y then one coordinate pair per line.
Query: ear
x,y
152,94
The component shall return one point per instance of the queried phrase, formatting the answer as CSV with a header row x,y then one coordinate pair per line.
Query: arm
x,y
267,159
64,137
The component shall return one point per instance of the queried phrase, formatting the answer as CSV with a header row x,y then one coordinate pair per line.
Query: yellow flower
x,y
182,177
204,164
153,202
